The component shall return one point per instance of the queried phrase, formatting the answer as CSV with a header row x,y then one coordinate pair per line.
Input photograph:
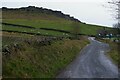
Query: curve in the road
x,y
91,63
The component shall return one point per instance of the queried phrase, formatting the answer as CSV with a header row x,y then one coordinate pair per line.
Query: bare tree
x,y
116,10
116,28
116,25
75,29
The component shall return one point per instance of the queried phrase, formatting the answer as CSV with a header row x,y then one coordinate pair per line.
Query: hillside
x,y
44,21
30,13
34,43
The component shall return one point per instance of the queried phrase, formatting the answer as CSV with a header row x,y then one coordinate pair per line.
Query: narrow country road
x,y
91,63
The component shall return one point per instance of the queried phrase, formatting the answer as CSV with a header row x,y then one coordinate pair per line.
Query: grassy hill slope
x,y
44,18
34,56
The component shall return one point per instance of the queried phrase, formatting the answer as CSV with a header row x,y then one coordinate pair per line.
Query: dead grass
x,y
33,60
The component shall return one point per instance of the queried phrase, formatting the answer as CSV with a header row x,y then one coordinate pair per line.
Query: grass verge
x,y
114,51
26,60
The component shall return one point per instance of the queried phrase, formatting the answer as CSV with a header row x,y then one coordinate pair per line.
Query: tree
x,y
116,25
117,28
75,29
116,8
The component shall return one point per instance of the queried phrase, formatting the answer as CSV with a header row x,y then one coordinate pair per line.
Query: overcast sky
x,y
89,11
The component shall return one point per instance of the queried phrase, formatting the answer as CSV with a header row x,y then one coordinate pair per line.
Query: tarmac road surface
x,y
91,63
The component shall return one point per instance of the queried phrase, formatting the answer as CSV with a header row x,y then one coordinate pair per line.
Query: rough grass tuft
x,y
33,60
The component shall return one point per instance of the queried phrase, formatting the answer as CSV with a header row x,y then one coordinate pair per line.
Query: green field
x,y
35,31
59,25
41,53
42,20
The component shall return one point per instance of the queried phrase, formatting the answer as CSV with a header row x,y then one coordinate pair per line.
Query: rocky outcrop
x,y
42,10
